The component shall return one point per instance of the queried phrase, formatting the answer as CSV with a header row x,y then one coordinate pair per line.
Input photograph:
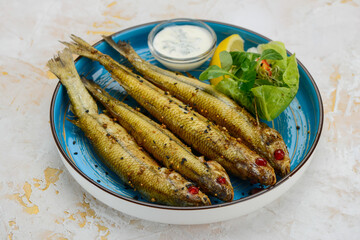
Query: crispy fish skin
x,y
213,105
119,150
209,176
206,138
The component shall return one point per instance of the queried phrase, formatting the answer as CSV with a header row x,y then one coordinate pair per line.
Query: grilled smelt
x,y
215,106
196,131
118,149
210,176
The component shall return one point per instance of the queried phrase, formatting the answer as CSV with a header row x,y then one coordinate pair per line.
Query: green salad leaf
x,y
226,60
264,83
212,72
271,54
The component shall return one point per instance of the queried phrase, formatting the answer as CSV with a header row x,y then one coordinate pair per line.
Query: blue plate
x,y
300,124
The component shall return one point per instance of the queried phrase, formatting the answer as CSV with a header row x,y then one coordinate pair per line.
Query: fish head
x,y
188,194
275,143
220,182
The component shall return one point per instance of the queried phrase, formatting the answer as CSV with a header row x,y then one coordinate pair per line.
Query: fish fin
x,y
72,109
89,84
202,159
75,122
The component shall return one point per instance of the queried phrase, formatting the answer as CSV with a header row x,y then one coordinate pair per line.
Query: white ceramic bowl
x,y
181,64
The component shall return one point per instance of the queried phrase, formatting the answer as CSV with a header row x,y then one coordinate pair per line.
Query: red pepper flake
x,y
264,64
193,190
261,162
221,180
279,154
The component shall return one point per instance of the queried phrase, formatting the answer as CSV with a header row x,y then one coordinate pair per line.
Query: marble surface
x,y
40,200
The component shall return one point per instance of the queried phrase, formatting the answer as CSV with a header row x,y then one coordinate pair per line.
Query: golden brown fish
x,y
119,150
194,129
215,106
166,147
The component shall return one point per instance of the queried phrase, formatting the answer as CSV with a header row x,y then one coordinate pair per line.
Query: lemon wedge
x,y
232,43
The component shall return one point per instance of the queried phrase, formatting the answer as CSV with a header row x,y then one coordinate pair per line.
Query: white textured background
x,y
40,200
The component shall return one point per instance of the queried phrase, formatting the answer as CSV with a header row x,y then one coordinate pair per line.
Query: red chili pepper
x,y
193,190
264,64
221,180
279,154
261,162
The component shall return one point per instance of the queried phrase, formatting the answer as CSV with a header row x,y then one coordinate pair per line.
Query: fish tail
x,y
64,68
80,47
62,65
122,47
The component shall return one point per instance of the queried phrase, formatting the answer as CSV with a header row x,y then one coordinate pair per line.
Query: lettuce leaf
x,y
270,99
280,48
273,100
231,88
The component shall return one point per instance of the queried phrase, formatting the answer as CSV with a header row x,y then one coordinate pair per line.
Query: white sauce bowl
x,y
184,36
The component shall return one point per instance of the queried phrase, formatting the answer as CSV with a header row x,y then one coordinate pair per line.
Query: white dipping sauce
x,y
182,41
